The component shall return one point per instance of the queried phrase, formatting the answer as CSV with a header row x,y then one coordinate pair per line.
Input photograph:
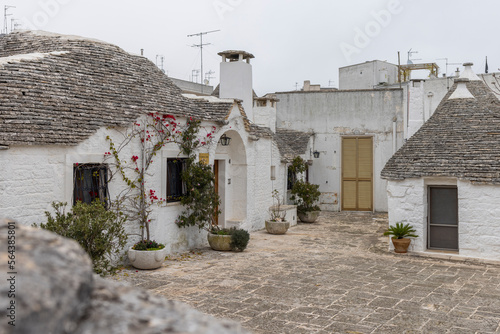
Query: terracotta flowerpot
x,y
219,242
308,216
141,259
274,227
401,245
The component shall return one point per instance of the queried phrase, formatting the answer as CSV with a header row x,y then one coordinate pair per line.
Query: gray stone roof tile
x,y
291,143
57,89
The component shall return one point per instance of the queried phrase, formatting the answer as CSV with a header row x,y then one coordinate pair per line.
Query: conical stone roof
x,y
461,139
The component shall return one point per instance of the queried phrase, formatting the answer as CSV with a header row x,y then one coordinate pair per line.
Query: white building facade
x,y
59,117
445,181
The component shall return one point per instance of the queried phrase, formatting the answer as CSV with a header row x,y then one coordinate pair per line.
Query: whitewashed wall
x,y
33,177
479,215
333,115
479,227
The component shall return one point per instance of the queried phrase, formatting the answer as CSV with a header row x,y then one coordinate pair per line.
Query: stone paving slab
x,y
333,276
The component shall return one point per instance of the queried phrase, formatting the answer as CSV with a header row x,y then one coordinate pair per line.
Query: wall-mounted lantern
x,y
316,154
224,140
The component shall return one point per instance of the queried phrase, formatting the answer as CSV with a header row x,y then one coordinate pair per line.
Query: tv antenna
x,y
209,77
447,77
409,56
201,45
5,22
194,74
162,58
14,25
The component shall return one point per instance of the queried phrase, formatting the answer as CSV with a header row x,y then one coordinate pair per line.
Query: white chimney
x,y
469,73
236,78
461,92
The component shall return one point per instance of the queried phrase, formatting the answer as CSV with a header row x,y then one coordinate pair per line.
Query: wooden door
x,y
443,218
357,174
216,185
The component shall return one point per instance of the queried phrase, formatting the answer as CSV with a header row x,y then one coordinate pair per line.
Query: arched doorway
x,y
231,166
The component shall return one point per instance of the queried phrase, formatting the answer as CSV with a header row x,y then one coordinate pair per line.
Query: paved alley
x,y
334,276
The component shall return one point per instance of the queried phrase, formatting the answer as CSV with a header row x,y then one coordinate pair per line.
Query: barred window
x,y
90,182
175,187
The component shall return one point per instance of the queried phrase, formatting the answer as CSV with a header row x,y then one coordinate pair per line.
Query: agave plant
x,y
401,231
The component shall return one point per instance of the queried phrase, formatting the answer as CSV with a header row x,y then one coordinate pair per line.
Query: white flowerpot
x,y
141,259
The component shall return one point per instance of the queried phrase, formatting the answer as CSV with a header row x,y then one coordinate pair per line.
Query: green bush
x,y
145,245
201,200
305,195
239,239
100,232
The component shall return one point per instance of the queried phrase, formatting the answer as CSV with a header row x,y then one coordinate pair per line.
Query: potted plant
x,y
401,234
147,254
277,223
305,195
232,239
150,133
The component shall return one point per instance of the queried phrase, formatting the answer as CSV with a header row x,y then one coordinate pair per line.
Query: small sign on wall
x,y
204,158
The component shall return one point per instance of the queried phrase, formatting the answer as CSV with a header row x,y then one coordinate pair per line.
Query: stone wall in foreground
x,y
53,290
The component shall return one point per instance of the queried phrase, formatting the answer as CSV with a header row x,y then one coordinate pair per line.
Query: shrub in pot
x,y
147,254
305,195
401,234
228,239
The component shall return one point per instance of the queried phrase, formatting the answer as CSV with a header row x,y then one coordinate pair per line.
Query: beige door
x,y
357,174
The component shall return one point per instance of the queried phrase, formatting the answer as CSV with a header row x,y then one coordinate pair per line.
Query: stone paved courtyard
x,y
334,276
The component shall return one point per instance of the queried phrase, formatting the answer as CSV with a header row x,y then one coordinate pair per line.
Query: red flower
x,y
135,158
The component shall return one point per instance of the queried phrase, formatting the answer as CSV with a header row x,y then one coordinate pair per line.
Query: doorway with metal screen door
x,y
443,218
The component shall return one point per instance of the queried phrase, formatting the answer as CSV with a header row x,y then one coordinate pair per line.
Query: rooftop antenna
x,y
201,45
330,83
447,76
5,22
296,86
162,58
209,77
409,56
13,25
194,74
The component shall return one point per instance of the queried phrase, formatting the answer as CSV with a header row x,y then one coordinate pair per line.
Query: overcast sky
x,y
292,40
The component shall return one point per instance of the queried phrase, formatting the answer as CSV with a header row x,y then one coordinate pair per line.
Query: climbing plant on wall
x,y
148,135
201,201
